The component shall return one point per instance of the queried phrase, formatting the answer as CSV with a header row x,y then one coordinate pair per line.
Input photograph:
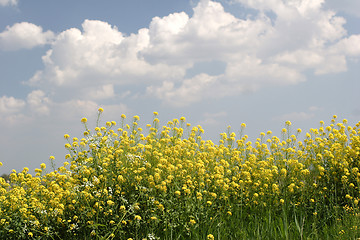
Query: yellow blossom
x,y
210,237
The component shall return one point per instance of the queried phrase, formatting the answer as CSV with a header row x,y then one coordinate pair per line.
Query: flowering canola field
x,y
118,183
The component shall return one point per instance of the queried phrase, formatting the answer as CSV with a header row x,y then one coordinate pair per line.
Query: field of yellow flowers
x,y
118,183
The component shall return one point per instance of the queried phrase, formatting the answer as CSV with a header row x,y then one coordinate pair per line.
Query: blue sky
x,y
217,63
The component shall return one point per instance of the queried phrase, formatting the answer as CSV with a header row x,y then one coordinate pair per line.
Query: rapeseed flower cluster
x,y
118,183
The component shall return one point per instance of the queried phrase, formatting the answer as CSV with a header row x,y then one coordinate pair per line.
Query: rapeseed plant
x,y
170,183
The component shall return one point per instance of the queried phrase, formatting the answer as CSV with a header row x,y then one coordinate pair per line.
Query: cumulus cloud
x,y
24,35
11,111
104,92
8,2
99,54
276,45
39,102
191,90
10,105
350,46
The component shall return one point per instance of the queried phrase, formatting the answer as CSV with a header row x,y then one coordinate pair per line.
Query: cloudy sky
x,y
217,63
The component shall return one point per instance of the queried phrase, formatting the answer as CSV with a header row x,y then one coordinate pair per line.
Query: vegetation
x,y
171,184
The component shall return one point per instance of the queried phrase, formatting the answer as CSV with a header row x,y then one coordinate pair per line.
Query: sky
x,y
217,63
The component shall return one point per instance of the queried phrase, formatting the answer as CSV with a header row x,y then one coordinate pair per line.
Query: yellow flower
x,y
51,157
136,118
192,221
161,207
156,113
83,120
66,136
30,234
43,165
210,237
100,110
282,201
137,217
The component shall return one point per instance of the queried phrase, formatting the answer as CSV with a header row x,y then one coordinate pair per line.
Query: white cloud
x,y
253,73
8,2
10,105
211,33
350,46
191,90
24,35
258,51
38,102
11,111
102,92
99,52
